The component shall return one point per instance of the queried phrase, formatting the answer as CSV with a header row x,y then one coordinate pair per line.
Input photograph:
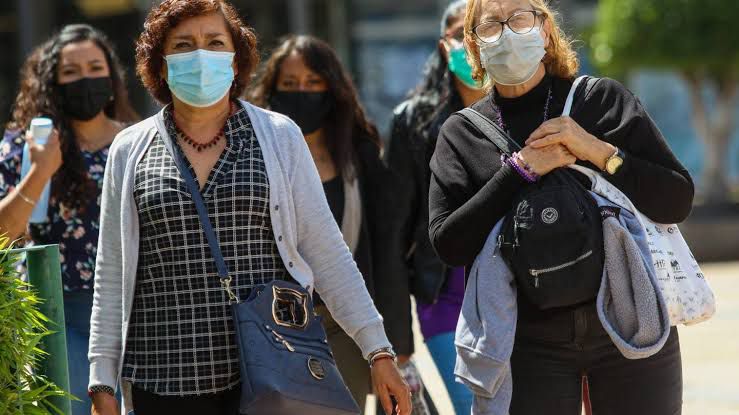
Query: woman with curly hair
x,y
76,80
161,321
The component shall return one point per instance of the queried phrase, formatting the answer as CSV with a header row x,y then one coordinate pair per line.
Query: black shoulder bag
x,y
552,238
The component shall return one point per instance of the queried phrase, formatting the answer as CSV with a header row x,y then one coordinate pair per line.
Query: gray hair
x,y
451,11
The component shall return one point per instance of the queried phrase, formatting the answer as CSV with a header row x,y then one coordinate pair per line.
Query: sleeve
x,y
337,278
106,319
11,156
462,215
394,202
651,176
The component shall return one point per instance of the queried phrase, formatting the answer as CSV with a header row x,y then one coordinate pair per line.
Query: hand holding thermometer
x,y
40,130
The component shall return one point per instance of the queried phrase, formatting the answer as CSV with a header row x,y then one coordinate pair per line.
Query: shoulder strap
x,y
492,131
197,198
589,81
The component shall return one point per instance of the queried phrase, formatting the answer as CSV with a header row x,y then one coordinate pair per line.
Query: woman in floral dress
x,y
76,80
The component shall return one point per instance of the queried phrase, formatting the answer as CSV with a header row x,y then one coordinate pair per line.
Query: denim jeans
x,y
551,355
77,310
441,348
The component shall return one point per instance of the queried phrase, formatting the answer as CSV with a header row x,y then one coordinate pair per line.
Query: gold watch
x,y
614,162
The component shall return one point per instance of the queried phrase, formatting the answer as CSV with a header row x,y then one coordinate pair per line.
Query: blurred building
x,y
384,42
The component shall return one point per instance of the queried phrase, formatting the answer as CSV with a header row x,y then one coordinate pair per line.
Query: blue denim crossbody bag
x,y
286,363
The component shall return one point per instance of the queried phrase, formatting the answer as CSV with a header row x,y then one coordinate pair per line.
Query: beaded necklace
x,y
498,116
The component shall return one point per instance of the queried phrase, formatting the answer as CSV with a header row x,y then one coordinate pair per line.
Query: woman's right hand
x,y
545,159
47,158
104,404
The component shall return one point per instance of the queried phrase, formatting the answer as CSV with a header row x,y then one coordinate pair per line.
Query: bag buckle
x,y
226,284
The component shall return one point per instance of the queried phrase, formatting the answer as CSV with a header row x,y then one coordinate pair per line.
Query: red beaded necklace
x,y
199,147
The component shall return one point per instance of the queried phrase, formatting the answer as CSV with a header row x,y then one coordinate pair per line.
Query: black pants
x,y
223,403
551,356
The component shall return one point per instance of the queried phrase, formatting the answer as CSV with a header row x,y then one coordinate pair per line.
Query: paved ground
x,y
710,353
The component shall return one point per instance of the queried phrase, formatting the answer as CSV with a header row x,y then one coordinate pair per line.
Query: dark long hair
x,y
347,120
39,95
436,88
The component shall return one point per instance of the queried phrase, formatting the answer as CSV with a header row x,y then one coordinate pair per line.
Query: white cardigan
x,y
311,246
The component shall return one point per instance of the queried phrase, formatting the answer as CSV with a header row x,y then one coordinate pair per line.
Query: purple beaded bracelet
x,y
522,168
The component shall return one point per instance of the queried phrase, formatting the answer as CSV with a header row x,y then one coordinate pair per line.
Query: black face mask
x,y
307,109
85,98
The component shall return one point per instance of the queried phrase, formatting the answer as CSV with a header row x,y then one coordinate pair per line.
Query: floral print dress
x,y
75,232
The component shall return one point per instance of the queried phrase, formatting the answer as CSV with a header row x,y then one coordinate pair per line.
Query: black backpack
x,y
552,238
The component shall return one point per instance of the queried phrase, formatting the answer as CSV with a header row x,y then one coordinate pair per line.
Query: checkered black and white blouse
x,y
181,339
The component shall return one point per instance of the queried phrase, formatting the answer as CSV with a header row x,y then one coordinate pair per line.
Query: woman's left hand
x,y
566,131
387,382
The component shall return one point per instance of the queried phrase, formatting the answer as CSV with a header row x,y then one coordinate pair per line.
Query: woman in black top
x,y
411,262
471,190
304,79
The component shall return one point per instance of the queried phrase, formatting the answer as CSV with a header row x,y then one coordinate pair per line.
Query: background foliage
x,y
22,327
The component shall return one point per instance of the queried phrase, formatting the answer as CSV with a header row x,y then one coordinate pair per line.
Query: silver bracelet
x,y
26,198
384,352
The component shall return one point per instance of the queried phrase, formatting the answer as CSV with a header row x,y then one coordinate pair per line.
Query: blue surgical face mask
x,y
200,78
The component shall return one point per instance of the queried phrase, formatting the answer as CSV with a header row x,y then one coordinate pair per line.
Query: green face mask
x,y
460,68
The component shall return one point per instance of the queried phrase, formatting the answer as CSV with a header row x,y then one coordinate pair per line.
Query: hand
x,y
47,158
545,159
104,404
567,132
387,381
403,359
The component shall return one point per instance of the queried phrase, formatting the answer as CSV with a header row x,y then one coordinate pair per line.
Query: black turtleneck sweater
x,y
470,190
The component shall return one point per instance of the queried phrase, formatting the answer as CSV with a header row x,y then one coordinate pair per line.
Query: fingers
x,y
29,138
546,128
554,138
403,397
385,401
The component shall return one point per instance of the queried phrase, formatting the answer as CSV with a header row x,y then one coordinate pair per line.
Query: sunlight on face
x,y
294,75
81,60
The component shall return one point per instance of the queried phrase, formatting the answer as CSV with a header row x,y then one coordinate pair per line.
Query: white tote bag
x,y
685,289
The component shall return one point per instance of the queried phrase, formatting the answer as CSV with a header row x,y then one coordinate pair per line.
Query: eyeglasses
x,y
520,22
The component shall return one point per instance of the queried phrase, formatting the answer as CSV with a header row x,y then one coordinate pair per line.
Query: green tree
x,y
698,39
22,326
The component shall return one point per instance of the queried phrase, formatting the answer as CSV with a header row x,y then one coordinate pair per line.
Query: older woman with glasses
x,y
517,47
161,322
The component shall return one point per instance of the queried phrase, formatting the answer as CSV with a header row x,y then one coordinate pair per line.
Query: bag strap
x,y
571,95
491,130
197,198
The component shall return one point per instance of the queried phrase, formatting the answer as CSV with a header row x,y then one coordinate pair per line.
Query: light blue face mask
x,y
200,78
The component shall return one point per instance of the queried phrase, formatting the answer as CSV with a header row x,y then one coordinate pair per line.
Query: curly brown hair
x,y
170,13
347,120
39,95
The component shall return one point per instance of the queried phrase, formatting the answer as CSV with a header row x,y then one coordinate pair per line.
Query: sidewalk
x,y
710,354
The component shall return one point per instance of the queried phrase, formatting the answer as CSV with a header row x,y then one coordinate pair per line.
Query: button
x,y
290,264
279,238
277,207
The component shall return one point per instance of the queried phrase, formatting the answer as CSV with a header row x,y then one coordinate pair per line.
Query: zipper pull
x,y
536,282
281,339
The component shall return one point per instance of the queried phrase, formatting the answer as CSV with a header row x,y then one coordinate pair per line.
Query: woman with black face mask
x,y
304,79
76,80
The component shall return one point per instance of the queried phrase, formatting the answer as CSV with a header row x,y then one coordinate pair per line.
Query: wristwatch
x,y
614,162
100,388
